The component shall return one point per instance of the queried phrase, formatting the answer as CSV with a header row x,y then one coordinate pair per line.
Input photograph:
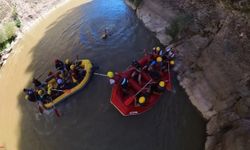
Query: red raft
x,y
127,103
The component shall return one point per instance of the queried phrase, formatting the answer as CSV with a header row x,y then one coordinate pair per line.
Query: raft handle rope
x,y
66,91
133,97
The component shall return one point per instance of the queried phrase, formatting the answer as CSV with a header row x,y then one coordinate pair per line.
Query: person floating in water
x,y
105,34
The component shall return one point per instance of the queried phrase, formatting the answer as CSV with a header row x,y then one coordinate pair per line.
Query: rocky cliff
x,y
212,42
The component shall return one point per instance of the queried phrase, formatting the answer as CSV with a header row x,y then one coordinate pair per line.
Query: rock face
x,y
212,43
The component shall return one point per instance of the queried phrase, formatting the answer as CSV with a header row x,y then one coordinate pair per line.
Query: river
x,y
89,121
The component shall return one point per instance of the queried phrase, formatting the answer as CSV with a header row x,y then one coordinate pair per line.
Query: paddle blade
x,y
58,114
67,91
169,87
129,100
40,109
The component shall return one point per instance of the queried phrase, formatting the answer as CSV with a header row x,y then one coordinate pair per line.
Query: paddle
x,y
100,74
169,74
58,114
131,99
65,91
40,109
2,146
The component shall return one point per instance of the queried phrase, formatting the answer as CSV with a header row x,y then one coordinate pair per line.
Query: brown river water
x,y
89,121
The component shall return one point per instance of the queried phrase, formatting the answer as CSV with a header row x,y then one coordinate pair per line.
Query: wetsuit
x,y
155,88
37,83
32,94
59,65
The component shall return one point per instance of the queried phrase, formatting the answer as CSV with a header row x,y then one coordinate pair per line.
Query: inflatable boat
x,y
66,93
126,102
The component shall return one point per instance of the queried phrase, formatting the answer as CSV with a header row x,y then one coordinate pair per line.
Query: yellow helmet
x,y
110,74
61,75
158,48
50,85
67,61
162,84
142,100
72,67
40,92
171,62
27,97
49,91
159,59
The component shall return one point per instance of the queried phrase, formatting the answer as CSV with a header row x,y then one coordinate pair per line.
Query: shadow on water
x,y
89,121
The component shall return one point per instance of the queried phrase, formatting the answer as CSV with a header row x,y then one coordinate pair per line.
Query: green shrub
x,y
3,36
18,22
15,18
14,14
7,34
10,29
3,39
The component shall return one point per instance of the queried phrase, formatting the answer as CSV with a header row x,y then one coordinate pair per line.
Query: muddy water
x,y
89,121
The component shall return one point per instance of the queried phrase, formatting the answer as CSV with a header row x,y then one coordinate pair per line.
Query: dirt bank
x,y
212,41
14,77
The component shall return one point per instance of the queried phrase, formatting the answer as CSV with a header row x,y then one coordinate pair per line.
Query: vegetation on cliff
x,y
136,3
8,30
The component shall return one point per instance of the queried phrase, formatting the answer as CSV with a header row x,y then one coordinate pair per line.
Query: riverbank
x,y
28,13
211,40
14,77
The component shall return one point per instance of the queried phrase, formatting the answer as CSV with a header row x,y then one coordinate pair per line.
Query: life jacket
x,y
152,63
160,53
124,83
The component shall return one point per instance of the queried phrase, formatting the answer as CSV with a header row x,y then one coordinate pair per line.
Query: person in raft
x,y
114,78
169,53
37,84
59,65
30,95
43,97
167,64
137,72
157,88
152,67
141,100
153,64
157,51
68,63
76,74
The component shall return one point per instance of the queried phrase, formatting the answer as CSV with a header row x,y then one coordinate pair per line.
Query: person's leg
x,y
139,78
